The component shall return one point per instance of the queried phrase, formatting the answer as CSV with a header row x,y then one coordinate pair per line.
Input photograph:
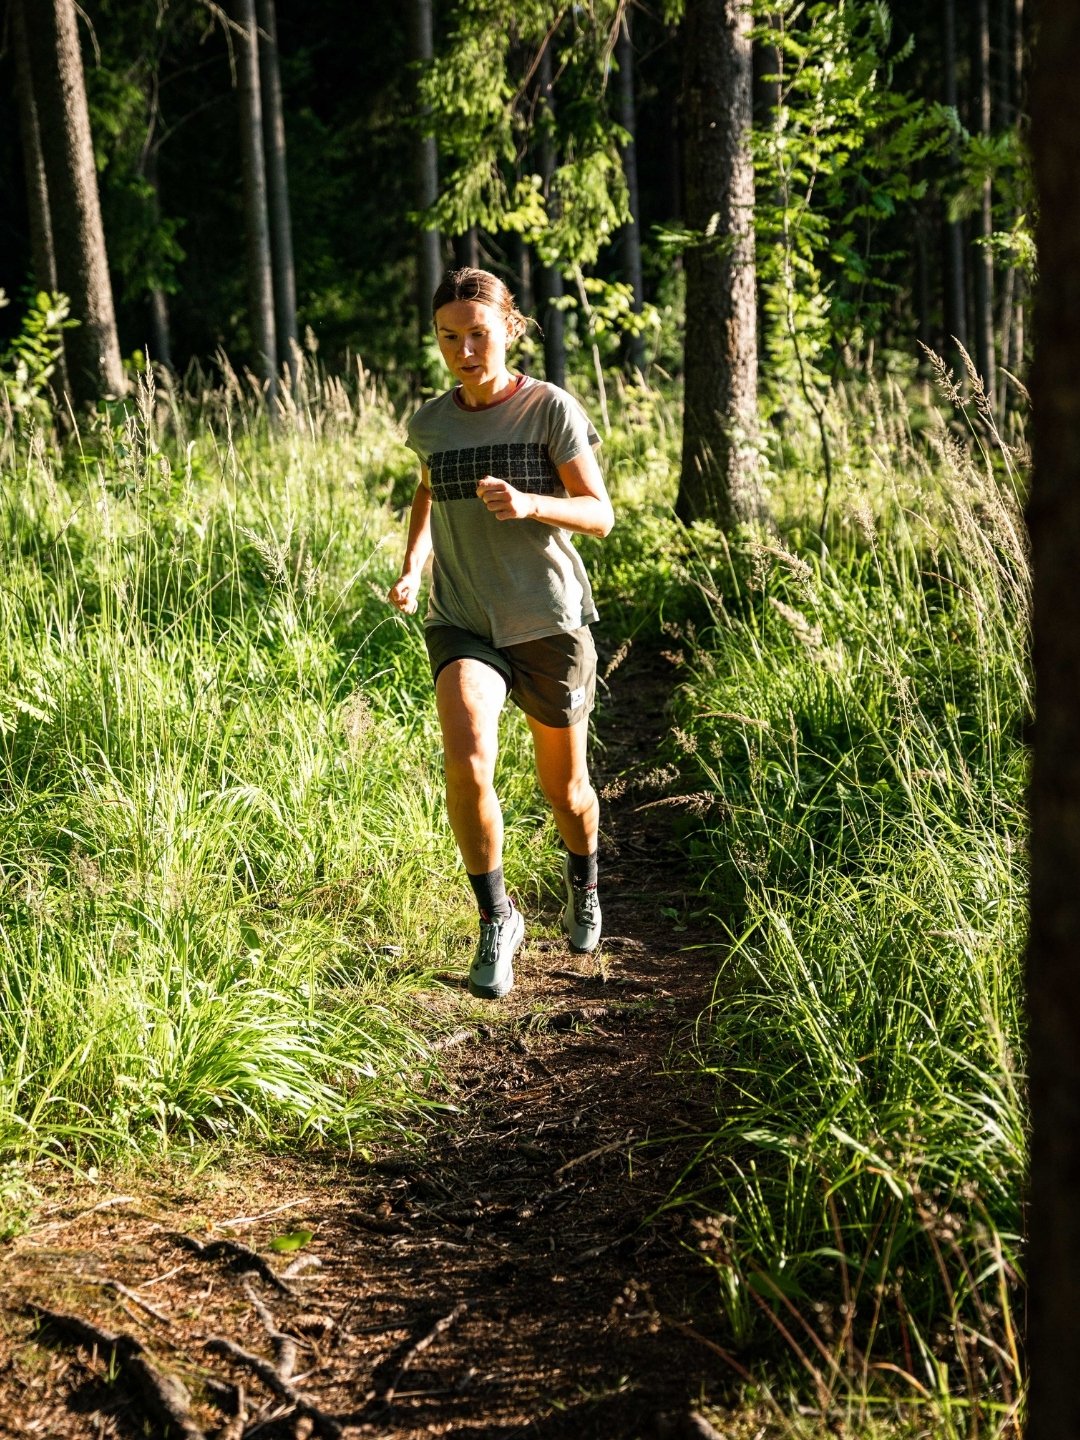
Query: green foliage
x,y
853,724
30,359
225,871
842,152
482,107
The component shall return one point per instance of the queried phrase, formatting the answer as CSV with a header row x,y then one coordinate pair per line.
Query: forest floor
x,y
510,1272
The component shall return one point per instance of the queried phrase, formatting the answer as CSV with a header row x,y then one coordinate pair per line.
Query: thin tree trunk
x,y
550,281
984,261
429,260
467,248
521,262
43,255
630,236
768,58
519,258
256,213
1020,106
277,187
768,69
160,341
92,350
1053,955
955,307
37,186
719,478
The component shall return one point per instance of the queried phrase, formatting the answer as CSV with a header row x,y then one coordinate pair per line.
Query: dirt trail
x,y
510,1276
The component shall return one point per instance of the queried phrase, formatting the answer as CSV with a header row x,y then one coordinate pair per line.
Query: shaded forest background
x,y
915,181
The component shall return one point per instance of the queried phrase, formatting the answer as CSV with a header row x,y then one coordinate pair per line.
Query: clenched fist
x,y
504,502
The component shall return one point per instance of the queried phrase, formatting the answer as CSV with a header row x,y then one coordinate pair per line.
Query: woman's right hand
x,y
404,594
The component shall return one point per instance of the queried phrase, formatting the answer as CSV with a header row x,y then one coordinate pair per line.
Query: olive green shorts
x,y
553,679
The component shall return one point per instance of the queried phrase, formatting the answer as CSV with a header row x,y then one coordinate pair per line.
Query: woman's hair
x,y
488,289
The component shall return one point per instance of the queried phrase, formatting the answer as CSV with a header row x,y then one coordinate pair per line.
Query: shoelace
x,y
490,934
586,905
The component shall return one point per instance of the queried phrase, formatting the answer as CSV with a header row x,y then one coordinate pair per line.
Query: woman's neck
x,y
491,392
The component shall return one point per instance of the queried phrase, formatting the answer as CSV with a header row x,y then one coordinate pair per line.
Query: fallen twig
x,y
238,1255
164,1395
324,1424
385,1396
135,1298
266,1214
594,1154
82,1214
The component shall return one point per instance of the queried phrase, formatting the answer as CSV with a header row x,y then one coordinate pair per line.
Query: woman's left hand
x,y
504,502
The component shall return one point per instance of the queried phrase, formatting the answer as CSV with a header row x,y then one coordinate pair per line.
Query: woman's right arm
x,y
405,591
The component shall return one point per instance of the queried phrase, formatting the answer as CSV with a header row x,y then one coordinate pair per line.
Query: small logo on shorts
x,y
577,698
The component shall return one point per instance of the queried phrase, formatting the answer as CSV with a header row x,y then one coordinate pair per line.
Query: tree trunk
x,y
1011,322
955,307
467,248
520,262
256,212
768,69
43,255
429,261
277,186
549,281
984,262
37,187
630,237
160,340
768,58
1053,957
58,89
719,478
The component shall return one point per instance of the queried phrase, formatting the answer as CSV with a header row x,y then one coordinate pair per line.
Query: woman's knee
x,y
572,795
468,770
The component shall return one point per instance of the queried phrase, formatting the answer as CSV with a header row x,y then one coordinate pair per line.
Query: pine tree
x,y
719,479
1053,960
94,369
260,273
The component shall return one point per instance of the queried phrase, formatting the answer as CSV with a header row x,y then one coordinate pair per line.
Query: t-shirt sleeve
x,y
415,443
571,431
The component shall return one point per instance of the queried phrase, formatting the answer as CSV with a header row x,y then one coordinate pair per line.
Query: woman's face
x,y
473,341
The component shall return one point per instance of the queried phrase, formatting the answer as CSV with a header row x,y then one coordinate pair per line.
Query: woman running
x,y
507,474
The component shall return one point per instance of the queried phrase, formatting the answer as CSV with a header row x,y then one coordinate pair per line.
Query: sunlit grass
x,y
226,878
856,711
227,883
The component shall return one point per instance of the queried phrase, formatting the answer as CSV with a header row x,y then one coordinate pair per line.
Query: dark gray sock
x,y
582,870
490,892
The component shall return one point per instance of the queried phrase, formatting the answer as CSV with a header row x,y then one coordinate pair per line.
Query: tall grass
x,y
225,873
856,711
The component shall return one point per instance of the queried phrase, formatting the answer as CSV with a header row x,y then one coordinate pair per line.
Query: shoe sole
x,y
579,949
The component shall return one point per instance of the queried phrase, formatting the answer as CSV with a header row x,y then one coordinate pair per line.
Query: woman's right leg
x,y
469,696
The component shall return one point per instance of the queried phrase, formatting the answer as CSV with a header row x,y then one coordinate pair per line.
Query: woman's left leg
x,y
562,767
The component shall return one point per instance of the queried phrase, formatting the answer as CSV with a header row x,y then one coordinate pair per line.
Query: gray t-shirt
x,y
506,580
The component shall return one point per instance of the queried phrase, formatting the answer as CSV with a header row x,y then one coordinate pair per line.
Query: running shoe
x,y
581,918
491,975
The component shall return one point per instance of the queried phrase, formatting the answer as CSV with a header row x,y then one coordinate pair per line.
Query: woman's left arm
x,y
584,509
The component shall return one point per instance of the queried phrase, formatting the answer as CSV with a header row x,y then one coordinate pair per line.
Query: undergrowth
x,y
227,884
226,879
854,718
